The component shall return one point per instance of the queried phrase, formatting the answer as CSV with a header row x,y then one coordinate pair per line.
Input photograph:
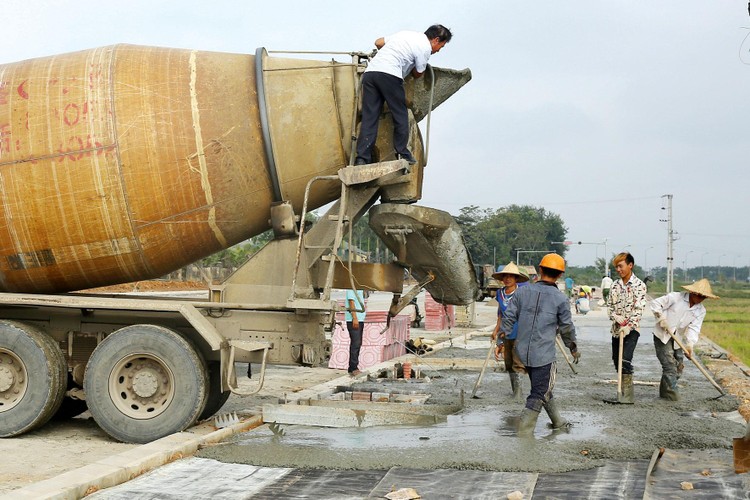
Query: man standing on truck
x,y
541,311
355,324
399,55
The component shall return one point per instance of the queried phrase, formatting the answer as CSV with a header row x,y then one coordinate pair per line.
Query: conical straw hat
x,y
701,287
511,268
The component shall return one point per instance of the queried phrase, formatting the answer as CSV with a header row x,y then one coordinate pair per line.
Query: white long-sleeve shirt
x,y
402,52
685,320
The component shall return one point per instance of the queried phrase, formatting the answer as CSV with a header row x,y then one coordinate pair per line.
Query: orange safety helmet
x,y
553,261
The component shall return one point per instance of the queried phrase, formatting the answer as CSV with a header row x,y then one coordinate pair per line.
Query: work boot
x,y
527,422
627,397
554,415
668,388
407,156
515,384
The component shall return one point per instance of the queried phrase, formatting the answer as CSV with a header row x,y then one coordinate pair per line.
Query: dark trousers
x,y
542,382
355,343
379,88
671,359
628,349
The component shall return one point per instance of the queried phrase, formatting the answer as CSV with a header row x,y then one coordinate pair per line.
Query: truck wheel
x,y
33,376
144,382
216,398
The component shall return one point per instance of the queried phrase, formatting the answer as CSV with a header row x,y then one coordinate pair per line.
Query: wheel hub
x,y
13,380
141,386
145,384
7,378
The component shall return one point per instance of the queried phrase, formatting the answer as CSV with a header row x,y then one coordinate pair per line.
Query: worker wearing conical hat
x,y
680,313
511,276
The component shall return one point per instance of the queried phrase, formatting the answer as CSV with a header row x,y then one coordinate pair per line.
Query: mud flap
x,y
428,242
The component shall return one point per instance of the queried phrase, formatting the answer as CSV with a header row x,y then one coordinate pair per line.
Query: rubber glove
x,y
663,324
618,319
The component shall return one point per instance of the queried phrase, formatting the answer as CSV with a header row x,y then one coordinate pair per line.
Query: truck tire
x,y
144,382
33,377
216,398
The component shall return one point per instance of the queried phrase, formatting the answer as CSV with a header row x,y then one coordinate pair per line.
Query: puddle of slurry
x,y
469,424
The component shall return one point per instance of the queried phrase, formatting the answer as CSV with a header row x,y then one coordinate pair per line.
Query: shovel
x,y
560,344
619,371
741,447
698,365
481,373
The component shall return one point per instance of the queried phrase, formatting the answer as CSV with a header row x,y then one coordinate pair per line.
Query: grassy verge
x,y
727,320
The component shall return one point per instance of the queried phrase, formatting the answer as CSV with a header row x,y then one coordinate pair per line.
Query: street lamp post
x,y
645,260
702,263
684,264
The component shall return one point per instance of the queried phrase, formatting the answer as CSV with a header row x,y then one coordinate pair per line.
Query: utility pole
x,y
670,243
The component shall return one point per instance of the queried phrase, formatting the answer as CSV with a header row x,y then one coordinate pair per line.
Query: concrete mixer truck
x,y
125,163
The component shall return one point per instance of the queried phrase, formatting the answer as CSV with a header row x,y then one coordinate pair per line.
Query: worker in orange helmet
x,y
541,311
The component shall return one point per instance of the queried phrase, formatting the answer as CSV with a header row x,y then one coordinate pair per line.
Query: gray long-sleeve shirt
x,y
541,310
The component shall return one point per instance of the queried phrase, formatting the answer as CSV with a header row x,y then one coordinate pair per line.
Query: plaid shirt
x,y
627,300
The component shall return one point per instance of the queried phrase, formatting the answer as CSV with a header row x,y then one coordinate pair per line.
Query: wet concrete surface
x,y
482,436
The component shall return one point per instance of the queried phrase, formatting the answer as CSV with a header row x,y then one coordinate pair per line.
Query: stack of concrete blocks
x,y
437,316
465,315
376,346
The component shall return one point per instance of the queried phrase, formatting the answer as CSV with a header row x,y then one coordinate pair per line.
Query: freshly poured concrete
x,y
483,437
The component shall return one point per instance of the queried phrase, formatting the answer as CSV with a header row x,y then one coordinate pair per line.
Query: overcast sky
x,y
591,109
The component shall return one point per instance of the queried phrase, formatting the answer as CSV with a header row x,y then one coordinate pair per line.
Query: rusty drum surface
x,y
124,163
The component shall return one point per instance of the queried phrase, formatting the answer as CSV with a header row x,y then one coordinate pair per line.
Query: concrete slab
x,y
394,407
320,416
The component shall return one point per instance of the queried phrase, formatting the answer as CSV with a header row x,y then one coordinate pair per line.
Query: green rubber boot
x,y
515,384
558,422
668,388
527,422
627,397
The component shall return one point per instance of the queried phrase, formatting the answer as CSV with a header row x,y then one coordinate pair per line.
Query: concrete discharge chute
x,y
125,163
